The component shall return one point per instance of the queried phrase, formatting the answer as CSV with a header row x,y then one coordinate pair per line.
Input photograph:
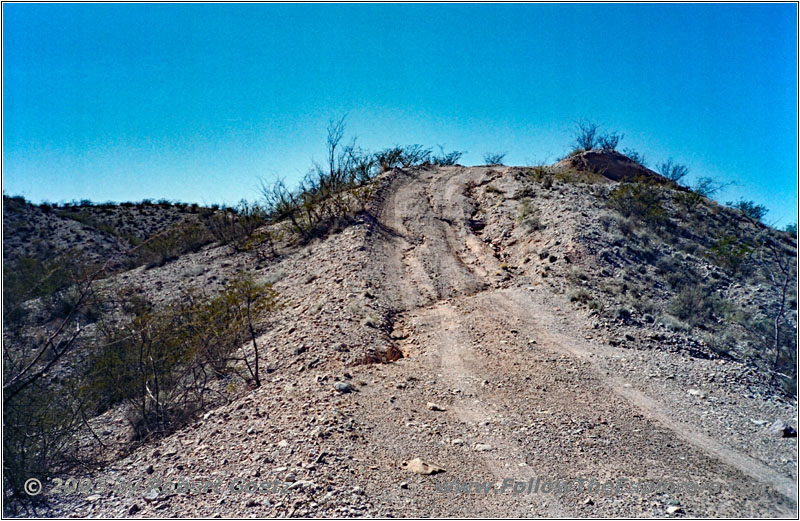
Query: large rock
x,y
782,429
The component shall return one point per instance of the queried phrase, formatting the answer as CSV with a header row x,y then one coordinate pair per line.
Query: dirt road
x,y
502,382
527,394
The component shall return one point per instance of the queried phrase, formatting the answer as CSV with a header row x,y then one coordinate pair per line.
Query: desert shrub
x,y
673,171
751,210
493,159
730,253
169,244
30,277
707,186
491,189
446,158
161,361
236,226
38,438
635,156
791,228
580,295
529,216
586,136
641,199
399,156
674,324
695,304
609,141
689,199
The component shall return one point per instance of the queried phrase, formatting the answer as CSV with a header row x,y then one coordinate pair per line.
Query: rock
x,y
93,498
782,429
290,477
134,508
458,441
434,407
759,422
302,484
674,509
283,443
342,387
483,447
151,496
404,484
696,392
149,469
588,501
417,466
252,503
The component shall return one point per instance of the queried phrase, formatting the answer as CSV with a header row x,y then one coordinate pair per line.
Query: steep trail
x,y
508,355
524,394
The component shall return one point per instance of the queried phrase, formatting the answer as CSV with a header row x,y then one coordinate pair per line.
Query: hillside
x,y
585,320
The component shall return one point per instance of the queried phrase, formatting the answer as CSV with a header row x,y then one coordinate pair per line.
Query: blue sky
x,y
195,102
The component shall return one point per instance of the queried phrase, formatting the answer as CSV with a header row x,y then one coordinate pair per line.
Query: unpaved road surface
x,y
514,375
525,394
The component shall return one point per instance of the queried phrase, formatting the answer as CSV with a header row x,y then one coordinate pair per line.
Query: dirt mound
x,y
610,164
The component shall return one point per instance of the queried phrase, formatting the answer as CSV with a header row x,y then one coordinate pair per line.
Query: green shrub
x,y
730,253
640,198
635,156
159,361
754,212
609,141
446,158
237,226
529,216
493,159
695,304
673,171
169,244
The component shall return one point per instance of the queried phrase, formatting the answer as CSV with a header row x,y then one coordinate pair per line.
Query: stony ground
x,y
501,377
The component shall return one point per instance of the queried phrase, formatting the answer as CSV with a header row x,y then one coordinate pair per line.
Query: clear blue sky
x,y
195,102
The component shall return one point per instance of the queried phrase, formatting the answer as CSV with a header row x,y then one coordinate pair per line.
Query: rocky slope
x,y
444,325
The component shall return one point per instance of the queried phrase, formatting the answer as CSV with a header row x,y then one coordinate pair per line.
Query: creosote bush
x,y
641,199
494,159
162,361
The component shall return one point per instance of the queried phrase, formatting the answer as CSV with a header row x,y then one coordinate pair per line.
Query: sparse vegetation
x,y
752,211
586,136
529,216
609,141
730,253
236,226
635,156
673,171
494,159
641,199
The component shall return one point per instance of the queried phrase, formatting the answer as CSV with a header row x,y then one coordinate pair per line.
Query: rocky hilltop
x,y
458,328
